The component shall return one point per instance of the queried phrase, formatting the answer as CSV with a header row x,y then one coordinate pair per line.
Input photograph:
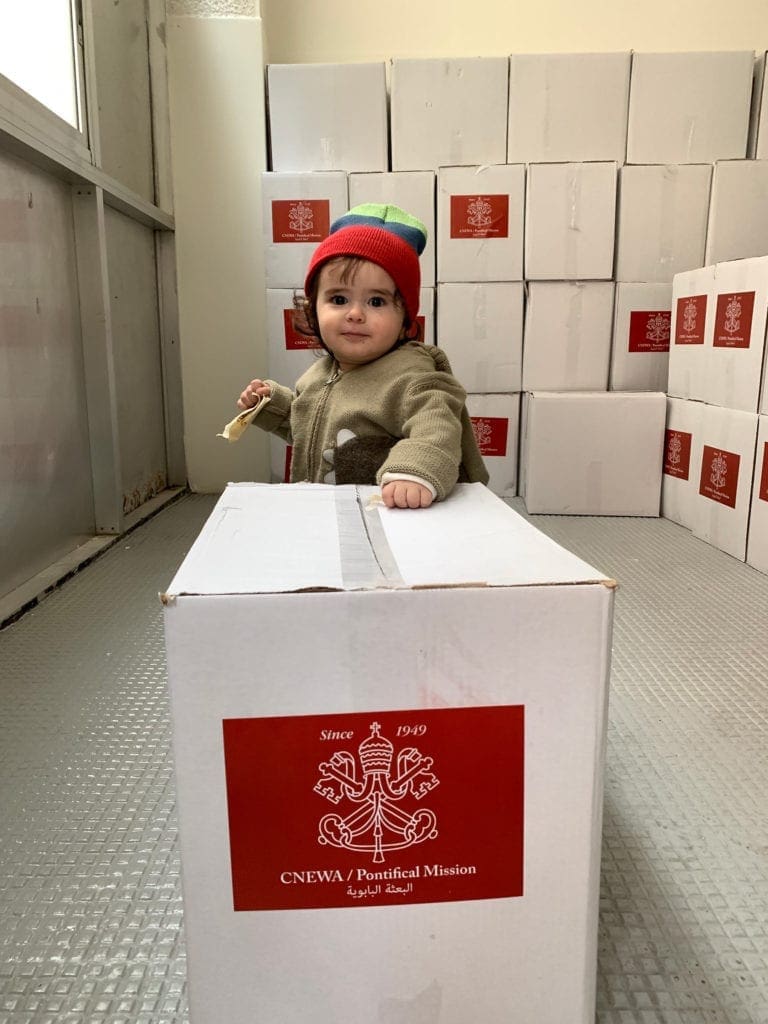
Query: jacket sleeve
x,y
431,406
275,417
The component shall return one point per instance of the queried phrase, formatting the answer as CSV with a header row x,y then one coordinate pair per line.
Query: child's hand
x,y
255,390
406,494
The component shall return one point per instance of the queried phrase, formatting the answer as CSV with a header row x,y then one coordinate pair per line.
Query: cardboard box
x,y
311,108
724,461
480,327
736,358
567,338
689,108
298,210
427,314
495,420
641,331
680,474
480,214
413,191
691,331
279,460
662,221
757,146
435,107
592,453
480,756
568,107
757,538
570,221
738,213
289,353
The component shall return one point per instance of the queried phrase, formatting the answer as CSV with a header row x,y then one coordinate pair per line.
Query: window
x,y
39,52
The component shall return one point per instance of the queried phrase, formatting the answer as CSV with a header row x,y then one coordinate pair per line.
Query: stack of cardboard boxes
x,y
716,451
557,222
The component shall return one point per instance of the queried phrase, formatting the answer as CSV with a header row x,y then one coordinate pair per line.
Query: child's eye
x,y
378,300
337,300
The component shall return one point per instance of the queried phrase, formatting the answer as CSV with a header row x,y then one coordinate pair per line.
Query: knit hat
x,y
383,234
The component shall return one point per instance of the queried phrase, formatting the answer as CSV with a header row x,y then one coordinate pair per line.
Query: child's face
x,y
361,319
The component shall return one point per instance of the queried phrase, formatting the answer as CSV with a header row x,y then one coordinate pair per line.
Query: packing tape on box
x,y
667,229
573,333
573,212
366,557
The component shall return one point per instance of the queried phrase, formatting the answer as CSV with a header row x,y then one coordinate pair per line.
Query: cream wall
x,y
358,30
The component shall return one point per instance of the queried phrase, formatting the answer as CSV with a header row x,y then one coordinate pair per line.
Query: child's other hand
x,y
406,494
255,390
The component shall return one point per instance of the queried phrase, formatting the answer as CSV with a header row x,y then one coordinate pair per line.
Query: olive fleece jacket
x,y
403,413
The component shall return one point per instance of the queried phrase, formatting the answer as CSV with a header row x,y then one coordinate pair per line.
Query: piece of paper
x,y
236,427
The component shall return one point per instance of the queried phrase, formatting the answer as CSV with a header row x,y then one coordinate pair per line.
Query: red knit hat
x,y
385,235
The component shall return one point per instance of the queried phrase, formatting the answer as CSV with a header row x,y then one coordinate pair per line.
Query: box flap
x,y
271,538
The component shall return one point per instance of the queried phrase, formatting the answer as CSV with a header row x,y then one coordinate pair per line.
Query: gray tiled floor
x,y
90,904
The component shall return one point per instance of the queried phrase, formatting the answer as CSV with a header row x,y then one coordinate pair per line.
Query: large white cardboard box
x,y
389,732
724,460
689,108
495,421
447,113
736,359
680,475
662,220
568,107
738,213
757,541
480,214
413,191
640,346
593,453
691,331
567,336
480,326
570,221
298,210
312,108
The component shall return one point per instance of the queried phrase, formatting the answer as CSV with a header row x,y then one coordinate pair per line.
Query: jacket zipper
x,y
316,421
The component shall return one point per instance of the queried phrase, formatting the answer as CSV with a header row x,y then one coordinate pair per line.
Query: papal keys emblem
x,y
377,785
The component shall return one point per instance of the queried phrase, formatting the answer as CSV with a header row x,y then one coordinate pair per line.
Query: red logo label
x,y
480,216
359,809
294,340
649,331
733,320
300,220
690,320
288,460
763,494
491,434
719,475
677,453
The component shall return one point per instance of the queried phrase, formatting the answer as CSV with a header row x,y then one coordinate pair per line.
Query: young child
x,y
379,407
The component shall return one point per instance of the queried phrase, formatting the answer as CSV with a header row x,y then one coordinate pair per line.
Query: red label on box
x,y
300,220
690,321
491,434
288,460
733,320
369,809
480,216
677,454
763,493
719,475
649,330
294,340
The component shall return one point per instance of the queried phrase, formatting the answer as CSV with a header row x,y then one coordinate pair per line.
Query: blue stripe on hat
x,y
409,233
